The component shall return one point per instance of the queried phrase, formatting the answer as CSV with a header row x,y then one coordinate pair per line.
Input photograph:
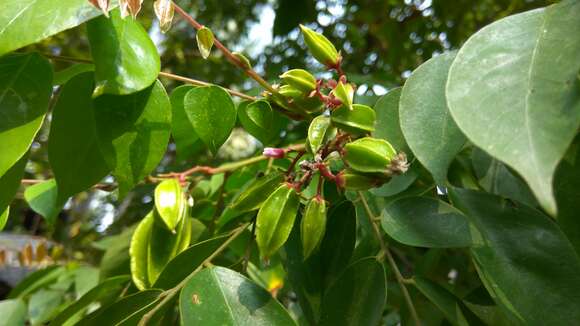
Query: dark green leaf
x,y
357,297
116,260
36,280
259,120
10,182
219,296
62,77
426,222
133,132
13,312
290,13
387,126
513,91
78,164
186,262
523,259
426,122
42,198
25,88
25,22
212,113
567,187
4,217
397,184
43,304
127,308
126,60
184,136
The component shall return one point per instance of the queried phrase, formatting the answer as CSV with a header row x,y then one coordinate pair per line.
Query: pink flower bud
x,y
274,152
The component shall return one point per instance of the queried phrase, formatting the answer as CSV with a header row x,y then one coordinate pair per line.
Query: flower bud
x,y
320,47
103,5
370,155
319,132
164,12
276,219
351,180
299,79
359,120
313,225
130,7
205,41
254,193
274,152
244,62
345,93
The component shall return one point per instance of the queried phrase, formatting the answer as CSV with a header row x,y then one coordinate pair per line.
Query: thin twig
x,y
101,186
384,248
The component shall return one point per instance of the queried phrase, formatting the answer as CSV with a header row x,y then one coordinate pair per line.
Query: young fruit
x,y
255,193
319,132
320,47
359,120
205,39
299,79
170,203
345,93
370,155
313,225
351,180
275,219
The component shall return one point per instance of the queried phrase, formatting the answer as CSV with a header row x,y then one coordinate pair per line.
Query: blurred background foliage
x,y
381,41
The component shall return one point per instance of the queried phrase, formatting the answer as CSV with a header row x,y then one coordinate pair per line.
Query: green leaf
x,y
78,164
212,113
4,217
133,133
259,120
357,297
396,185
42,198
186,262
25,88
387,125
184,136
36,280
25,22
319,132
567,187
43,304
139,252
127,308
101,293
219,296
170,203
63,76
513,91
126,60
10,182
426,122
13,312
496,178
426,222
524,260
205,39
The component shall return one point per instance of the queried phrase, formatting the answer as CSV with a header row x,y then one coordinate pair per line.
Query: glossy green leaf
x,y
358,120
426,222
567,187
42,198
357,297
25,22
126,60
103,292
186,262
184,136
10,182
63,76
396,185
170,202
164,245
25,88
513,91
251,196
78,164
36,280
426,122
139,252
133,133
212,113
43,304
523,259
496,178
13,312
4,217
275,219
128,308
219,296
387,126
259,120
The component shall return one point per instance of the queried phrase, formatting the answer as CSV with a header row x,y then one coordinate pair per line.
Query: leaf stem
x,y
168,295
385,249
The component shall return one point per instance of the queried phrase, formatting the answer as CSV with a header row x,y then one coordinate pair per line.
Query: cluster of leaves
x,y
490,173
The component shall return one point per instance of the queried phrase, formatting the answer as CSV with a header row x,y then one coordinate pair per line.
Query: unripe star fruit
x,y
369,155
320,47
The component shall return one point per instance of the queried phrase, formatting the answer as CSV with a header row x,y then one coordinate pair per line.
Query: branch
x,y
385,249
168,295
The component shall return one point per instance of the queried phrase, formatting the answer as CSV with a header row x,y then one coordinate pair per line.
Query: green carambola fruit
x,y
370,155
299,79
320,47
359,120
313,225
275,219
352,180
170,202
255,193
345,93
319,132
